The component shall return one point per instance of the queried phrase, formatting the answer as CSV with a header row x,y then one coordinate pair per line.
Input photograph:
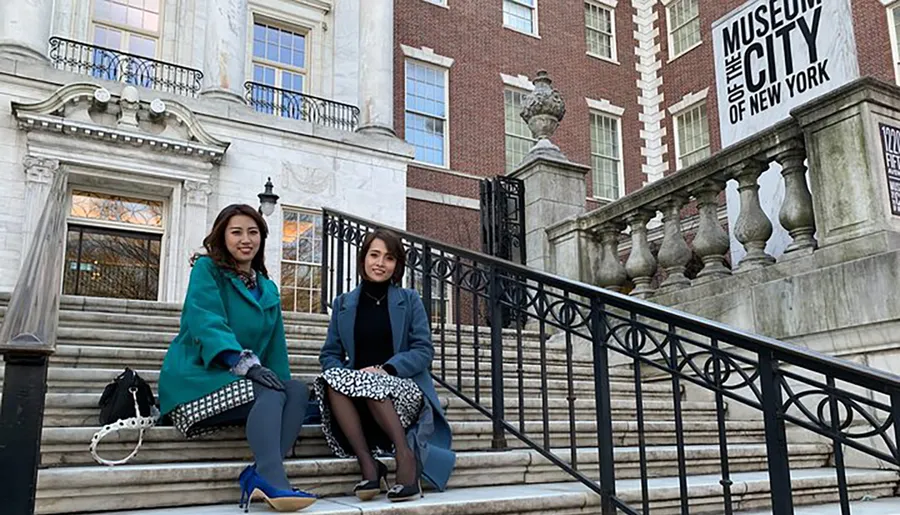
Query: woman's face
x,y
380,263
242,239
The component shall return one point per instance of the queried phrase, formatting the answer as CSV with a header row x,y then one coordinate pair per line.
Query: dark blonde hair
x,y
394,247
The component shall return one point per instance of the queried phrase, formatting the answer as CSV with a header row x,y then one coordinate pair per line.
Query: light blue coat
x,y
413,353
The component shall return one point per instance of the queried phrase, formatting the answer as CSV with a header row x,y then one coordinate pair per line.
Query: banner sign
x,y
890,144
774,55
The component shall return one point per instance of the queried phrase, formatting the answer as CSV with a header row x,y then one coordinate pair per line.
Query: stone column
x,y
39,173
25,29
226,46
194,202
674,253
796,213
610,271
753,228
711,242
641,264
376,67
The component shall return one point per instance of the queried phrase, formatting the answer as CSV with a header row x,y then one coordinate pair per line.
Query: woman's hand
x,y
265,377
373,370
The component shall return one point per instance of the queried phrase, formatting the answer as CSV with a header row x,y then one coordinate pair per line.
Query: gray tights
x,y
271,411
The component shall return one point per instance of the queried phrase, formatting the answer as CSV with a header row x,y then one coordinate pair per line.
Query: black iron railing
x,y
300,106
852,406
110,64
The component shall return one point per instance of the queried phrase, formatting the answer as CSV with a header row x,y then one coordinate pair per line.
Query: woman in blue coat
x,y
376,382
228,366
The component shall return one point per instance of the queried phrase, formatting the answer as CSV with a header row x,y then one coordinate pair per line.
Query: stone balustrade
x,y
847,201
701,184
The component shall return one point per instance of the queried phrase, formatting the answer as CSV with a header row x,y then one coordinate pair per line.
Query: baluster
x,y
776,438
495,311
674,253
711,241
610,271
641,264
753,228
796,213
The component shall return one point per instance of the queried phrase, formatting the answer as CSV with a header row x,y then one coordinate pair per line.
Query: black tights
x,y
386,416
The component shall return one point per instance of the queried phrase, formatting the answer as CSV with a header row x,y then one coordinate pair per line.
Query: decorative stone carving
x,y
753,228
542,110
196,193
796,213
40,170
85,110
711,241
641,264
674,253
610,273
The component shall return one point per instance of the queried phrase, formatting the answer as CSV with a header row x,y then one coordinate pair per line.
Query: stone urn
x,y
543,108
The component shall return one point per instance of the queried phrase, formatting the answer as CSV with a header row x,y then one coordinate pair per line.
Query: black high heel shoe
x,y
400,493
366,490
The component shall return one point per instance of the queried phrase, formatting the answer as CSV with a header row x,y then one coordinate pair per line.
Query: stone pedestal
x,y
555,189
376,67
846,160
224,60
25,29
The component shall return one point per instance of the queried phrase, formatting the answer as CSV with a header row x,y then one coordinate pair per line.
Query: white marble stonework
x,y
25,28
223,63
376,67
195,155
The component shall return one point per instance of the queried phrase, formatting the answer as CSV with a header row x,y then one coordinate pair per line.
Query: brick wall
x,y
472,33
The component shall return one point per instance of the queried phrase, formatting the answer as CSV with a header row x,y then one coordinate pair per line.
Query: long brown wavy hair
x,y
214,243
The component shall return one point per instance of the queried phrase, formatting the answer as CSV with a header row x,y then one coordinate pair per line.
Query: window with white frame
x,y
301,261
684,26
599,29
606,156
692,136
426,111
279,57
131,26
519,139
520,15
894,23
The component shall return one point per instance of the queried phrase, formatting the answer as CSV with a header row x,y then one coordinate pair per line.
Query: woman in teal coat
x,y
228,366
376,382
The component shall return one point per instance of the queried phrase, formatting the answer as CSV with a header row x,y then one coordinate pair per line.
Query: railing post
x,y
323,281
21,420
498,441
604,409
426,281
339,255
776,438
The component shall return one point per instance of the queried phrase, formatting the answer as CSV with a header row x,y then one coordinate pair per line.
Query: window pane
x,y
684,19
144,47
113,264
605,156
693,135
519,139
519,15
128,210
426,109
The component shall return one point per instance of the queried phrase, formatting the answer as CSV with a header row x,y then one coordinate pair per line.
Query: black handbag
x,y
126,403
117,401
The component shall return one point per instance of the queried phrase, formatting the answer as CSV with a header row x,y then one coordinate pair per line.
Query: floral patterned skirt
x,y
359,386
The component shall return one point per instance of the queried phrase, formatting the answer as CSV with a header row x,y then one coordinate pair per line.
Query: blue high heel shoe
x,y
255,487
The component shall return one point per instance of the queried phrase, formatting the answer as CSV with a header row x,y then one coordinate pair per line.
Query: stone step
x,y
886,506
94,380
67,446
90,356
81,410
74,489
576,499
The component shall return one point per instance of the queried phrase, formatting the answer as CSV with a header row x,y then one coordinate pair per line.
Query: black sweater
x,y
372,330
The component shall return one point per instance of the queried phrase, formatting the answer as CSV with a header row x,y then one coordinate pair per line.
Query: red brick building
x,y
638,77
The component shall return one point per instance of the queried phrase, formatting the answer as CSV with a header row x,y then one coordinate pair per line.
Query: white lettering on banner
x,y
890,144
773,55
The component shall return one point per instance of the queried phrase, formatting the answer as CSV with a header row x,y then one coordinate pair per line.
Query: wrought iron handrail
x,y
111,64
27,339
851,405
300,106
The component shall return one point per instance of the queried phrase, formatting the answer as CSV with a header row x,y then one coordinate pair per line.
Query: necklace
x,y
376,299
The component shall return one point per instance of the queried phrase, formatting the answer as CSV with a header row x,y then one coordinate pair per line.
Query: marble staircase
x,y
98,337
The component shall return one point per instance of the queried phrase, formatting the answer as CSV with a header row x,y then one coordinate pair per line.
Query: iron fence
x,y
300,106
851,406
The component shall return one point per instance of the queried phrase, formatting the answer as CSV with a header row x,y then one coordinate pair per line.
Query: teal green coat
x,y
220,314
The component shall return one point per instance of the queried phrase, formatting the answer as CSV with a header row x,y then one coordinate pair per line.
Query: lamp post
x,y
267,199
